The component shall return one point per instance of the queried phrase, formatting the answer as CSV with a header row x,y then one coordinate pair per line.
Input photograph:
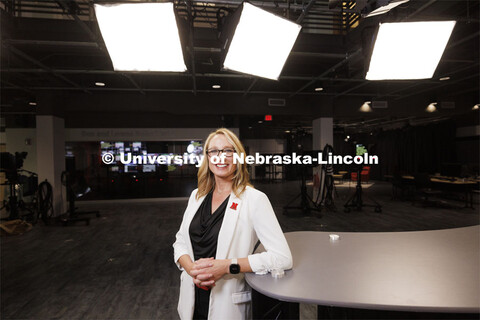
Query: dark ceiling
x,y
53,52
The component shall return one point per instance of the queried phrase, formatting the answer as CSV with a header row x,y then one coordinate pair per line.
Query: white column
x,y
322,132
51,156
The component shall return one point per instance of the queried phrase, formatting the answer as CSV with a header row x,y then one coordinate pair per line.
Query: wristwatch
x,y
234,267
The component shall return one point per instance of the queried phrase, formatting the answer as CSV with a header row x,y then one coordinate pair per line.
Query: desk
x,y
464,186
457,185
424,271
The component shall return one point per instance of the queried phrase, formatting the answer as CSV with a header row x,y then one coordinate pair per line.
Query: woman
x,y
224,219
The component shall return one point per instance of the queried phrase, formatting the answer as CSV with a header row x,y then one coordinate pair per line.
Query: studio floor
x,y
121,265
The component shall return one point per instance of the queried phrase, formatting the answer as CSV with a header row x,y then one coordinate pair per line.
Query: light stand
x,y
306,202
356,201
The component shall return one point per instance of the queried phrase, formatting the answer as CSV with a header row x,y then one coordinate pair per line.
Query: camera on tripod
x,y
20,186
10,164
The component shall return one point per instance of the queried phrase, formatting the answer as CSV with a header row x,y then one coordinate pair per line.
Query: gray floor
x,y
121,266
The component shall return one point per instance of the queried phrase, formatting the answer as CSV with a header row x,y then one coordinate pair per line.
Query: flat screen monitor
x,y
119,145
136,144
149,168
360,150
105,145
131,168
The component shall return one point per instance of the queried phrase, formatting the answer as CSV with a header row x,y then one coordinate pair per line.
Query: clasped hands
x,y
206,271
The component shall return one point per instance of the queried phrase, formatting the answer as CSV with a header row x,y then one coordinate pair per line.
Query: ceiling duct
x,y
379,104
276,102
447,105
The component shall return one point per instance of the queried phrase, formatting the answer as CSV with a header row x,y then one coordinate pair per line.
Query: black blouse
x,y
205,227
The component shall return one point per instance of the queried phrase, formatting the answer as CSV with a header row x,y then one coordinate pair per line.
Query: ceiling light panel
x,y
141,36
261,43
408,50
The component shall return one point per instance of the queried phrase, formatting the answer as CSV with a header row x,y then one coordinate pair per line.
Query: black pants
x,y
202,302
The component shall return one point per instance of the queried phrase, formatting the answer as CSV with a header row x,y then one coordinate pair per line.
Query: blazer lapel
x,y
228,226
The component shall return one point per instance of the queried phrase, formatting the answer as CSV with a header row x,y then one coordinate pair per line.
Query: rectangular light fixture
x,y
141,36
408,50
261,43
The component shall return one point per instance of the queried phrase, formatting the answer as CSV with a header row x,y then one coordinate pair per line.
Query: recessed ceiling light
x,y
444,78
476,107
32,103
318,89
287,131
216,86
249,127
260,121
100,84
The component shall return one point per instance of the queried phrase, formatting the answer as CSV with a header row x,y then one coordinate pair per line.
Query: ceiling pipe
x,y
183,74
250,87
425,82
41,65
305,11
426,5
16,86
188,3
283,93
327,72
134,83
440,86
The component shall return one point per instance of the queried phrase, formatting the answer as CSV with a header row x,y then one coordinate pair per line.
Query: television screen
x,y
105,145
360,150
119,145
149,168
131,168
136,144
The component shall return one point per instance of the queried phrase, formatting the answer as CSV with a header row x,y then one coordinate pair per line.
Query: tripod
x,y
15,203
306,202
356,200
72,215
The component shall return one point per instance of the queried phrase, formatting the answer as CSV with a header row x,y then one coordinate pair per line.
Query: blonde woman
x,y
224,219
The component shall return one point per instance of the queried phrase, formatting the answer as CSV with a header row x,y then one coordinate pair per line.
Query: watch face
x,y
234,268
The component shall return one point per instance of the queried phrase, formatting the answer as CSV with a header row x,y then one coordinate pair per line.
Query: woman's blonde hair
x,y
206,180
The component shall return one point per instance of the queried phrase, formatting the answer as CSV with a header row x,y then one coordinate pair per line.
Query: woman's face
x,y
227,168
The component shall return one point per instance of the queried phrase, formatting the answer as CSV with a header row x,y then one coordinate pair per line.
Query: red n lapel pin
x,y
234,206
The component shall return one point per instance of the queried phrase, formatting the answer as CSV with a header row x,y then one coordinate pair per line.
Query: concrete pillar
x,y
51,156
322,132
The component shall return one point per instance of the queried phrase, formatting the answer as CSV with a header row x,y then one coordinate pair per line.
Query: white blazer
x,y
247,219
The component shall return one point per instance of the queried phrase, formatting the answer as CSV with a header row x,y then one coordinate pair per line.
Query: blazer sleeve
x,y
180,246
270,234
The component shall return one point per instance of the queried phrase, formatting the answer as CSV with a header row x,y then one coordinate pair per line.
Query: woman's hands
x,y
206,271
